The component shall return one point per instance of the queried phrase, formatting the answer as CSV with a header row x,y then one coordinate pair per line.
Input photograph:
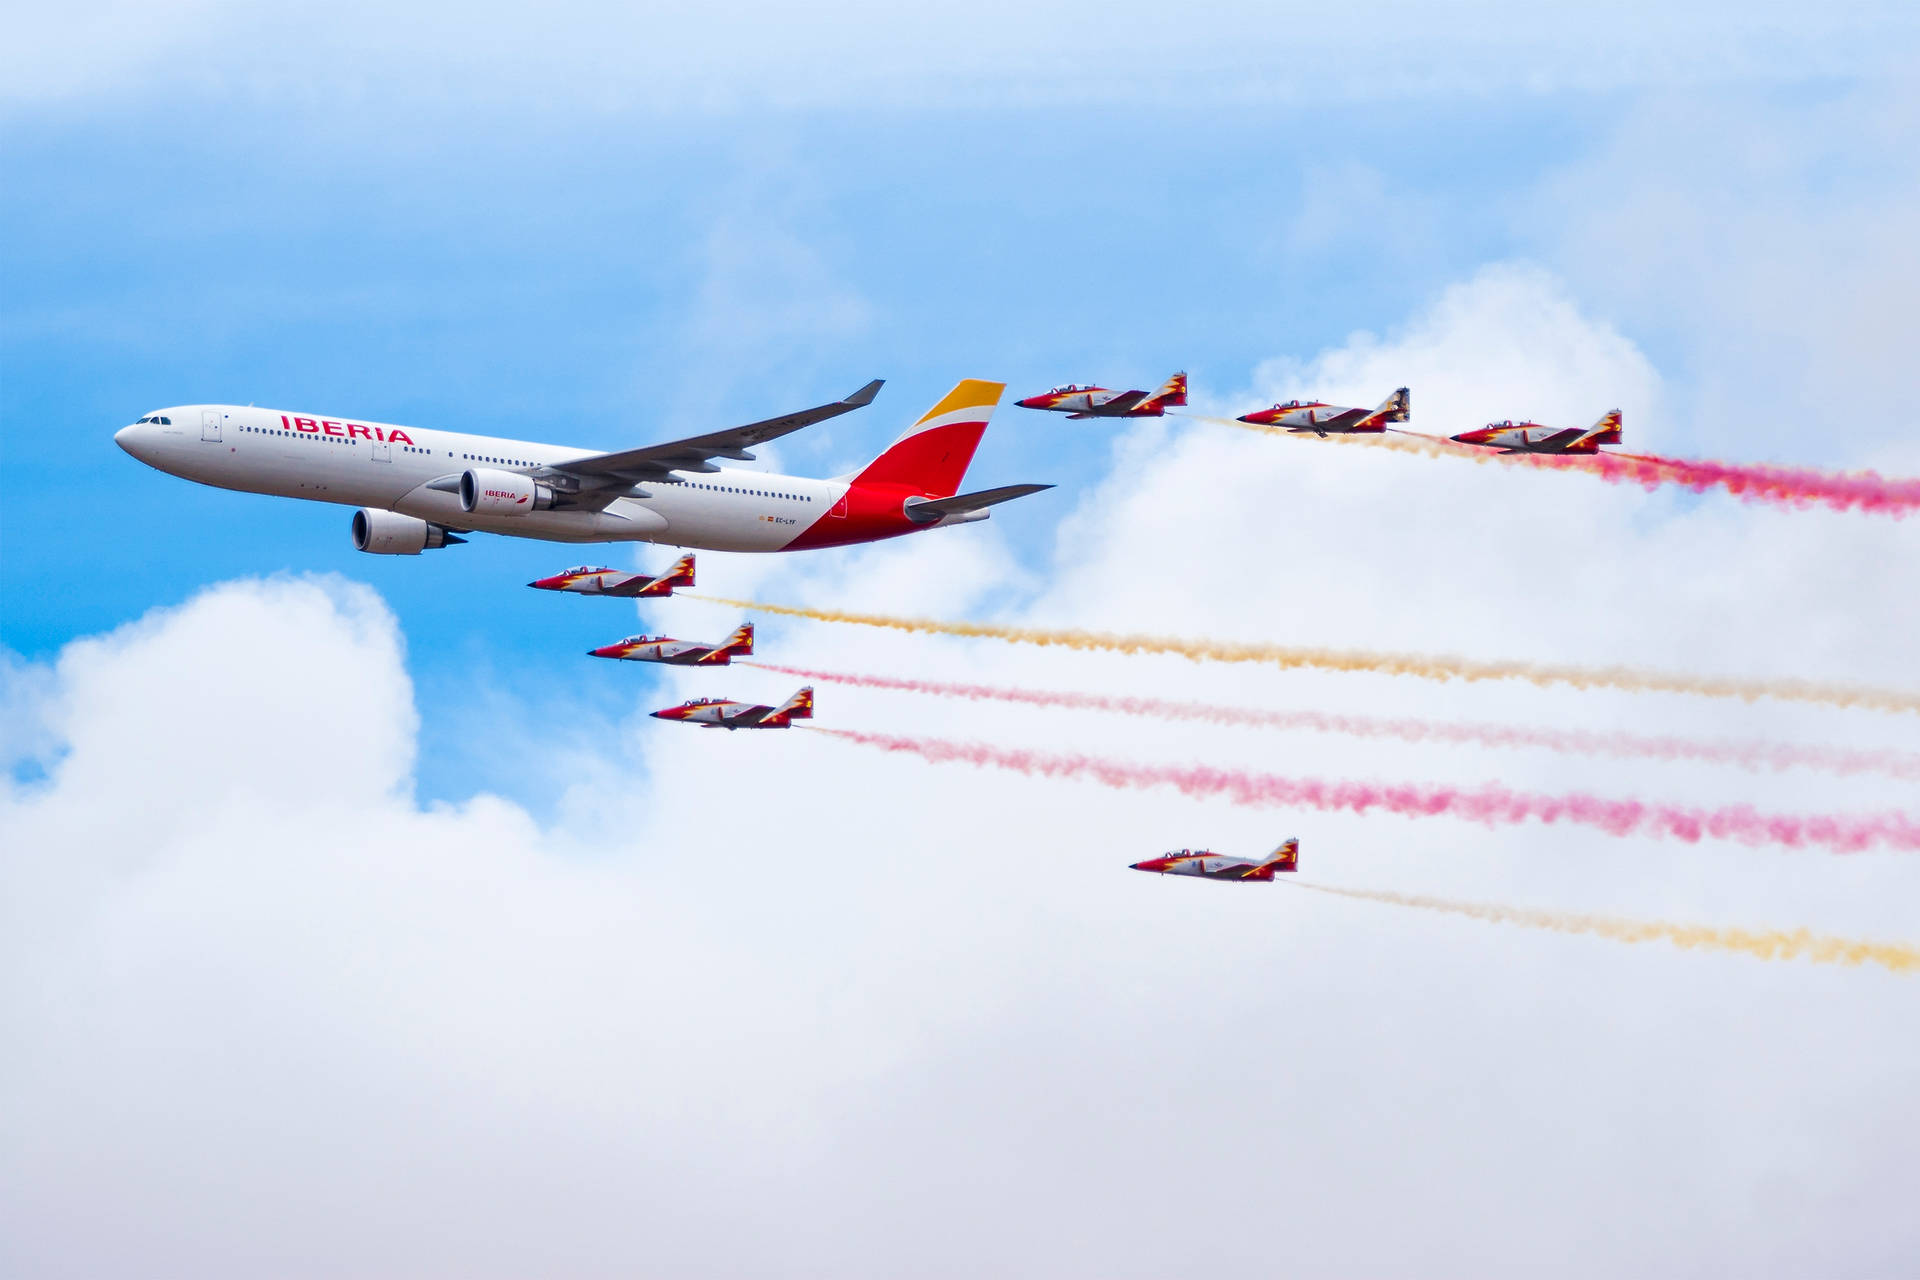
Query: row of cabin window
x,y
756,493
304,435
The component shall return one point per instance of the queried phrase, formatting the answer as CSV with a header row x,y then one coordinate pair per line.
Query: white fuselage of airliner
x,y
417,485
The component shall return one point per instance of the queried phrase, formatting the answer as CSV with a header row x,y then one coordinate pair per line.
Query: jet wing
x,y
1558,442
1344,420
1113,408
658,461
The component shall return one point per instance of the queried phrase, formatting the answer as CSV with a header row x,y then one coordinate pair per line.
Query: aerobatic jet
x,y
1217,866
1098,402
720,713
680,653
588,580
1323,419
419,489
1531,437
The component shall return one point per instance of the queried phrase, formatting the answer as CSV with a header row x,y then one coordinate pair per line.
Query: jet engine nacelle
x,y
388,533
488,491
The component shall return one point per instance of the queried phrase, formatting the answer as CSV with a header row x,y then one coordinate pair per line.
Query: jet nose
x,y
1032,402
137,440
1477,436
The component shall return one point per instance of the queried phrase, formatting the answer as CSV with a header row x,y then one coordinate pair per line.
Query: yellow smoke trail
x,y
1425,666
1763,944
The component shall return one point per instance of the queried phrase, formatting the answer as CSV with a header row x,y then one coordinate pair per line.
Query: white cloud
x,y
759,1003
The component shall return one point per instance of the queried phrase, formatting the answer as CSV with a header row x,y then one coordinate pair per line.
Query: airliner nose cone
x,y
124,437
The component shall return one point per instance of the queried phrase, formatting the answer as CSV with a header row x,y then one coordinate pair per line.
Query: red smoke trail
x,y
1867,491
1798,487
1492,805
1802,487
1744,755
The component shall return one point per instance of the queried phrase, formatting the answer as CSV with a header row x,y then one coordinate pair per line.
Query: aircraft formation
x,y
418,489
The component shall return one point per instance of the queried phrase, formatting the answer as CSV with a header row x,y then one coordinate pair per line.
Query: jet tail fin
x,y
1285,858
1171,395
678,574
1397,407
739,644
798,707
1605,431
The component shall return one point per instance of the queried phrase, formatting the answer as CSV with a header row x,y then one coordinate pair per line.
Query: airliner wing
x,y
657,461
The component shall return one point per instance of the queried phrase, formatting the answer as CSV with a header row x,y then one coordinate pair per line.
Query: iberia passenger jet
x,y
418,489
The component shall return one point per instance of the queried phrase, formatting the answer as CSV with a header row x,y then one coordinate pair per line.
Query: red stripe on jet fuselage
x,y
868,513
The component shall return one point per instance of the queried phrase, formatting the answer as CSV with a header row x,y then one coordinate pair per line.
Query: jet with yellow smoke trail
x,y
1324,419
1209,865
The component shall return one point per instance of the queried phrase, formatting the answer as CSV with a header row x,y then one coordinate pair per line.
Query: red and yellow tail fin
x,y
1286,857
1171,395
680,573
932,456
1605,431
798,707
741,641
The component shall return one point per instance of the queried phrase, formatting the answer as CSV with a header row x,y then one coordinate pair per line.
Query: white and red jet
x,y
591,580
1098,402
720,713
1531,437
680,653
419,489
1323,419
1216,866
